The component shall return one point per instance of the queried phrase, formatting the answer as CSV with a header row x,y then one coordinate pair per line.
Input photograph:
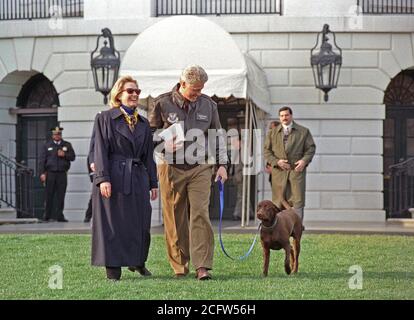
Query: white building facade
x,y
348,176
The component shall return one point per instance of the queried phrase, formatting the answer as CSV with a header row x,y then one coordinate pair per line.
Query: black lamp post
x,y
105,65
326,63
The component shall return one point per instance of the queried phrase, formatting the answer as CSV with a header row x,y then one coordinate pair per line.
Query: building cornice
x,y
232,24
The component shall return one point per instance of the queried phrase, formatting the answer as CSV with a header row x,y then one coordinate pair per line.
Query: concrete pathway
x,y
390,227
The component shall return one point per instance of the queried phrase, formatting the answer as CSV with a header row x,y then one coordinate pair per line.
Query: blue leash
x,y
221,189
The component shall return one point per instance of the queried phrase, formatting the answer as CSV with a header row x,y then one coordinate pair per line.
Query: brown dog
x,y
276,229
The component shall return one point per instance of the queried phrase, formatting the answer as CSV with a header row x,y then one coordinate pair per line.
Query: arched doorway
x,y
398,137
232,117
37,105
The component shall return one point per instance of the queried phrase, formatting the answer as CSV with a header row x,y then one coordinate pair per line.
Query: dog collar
x,y
263,227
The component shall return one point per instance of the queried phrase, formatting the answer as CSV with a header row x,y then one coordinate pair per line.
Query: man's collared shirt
x,y
202,114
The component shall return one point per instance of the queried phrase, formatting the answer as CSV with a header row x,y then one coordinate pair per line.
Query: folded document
x,y
174,131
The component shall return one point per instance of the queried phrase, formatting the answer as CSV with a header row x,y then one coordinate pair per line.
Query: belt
x,y
127,163
184,166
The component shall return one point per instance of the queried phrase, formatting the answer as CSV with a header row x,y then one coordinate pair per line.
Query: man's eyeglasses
x,y
131,91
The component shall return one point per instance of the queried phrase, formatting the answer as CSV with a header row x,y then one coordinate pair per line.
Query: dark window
x,y
386,6
217,7
40,9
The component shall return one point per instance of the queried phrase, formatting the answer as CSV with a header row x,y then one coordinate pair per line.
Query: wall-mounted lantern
x,y
105,65
326,63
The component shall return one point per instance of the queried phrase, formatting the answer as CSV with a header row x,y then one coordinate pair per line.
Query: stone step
x,y
18,221
401,222
8,213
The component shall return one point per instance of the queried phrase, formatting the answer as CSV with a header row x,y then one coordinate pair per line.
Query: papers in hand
x,y
174,131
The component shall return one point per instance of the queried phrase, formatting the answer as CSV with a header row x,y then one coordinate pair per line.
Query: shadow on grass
x,y
319,275
156,276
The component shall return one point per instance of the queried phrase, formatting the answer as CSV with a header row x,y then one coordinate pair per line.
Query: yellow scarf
x,y
130,119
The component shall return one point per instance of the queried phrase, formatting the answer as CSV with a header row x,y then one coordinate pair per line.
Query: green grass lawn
x,y
387,264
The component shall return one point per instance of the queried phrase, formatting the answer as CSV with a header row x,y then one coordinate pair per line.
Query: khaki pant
x,y
185,197
289,185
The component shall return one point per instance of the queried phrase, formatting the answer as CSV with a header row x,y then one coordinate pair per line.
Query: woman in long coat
x,y
125,173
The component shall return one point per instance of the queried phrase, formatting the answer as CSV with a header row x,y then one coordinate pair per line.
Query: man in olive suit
x,y
289,148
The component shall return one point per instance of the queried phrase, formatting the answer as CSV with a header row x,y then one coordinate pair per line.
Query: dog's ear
x,y
274,207
275,210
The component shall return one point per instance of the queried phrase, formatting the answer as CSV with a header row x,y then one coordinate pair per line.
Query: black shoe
x,y
62,220
141,270
86,220
203,274
113,273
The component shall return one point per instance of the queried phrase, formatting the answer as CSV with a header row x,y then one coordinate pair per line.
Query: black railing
x,y
16,187
217,7
40,9
386,6
401,196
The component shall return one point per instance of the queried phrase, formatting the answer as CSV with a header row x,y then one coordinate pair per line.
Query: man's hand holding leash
x,y
221,174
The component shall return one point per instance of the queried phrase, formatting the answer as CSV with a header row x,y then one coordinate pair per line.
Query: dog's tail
x,y
286,204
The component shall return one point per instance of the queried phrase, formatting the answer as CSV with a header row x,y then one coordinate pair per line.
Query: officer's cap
x,y
57,130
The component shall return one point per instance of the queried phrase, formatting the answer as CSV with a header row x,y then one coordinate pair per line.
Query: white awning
x,y
159,54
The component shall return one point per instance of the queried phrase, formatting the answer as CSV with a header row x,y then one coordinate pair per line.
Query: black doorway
x,y
232,116
37,114
398,136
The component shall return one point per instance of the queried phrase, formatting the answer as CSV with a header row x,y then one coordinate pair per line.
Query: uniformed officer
x,y
54,164
91,171
185,183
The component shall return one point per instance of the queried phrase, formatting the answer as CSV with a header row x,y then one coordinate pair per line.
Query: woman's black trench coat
x,y
121,224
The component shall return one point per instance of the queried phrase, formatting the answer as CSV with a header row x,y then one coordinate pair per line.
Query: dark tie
x,y
286,135
185,107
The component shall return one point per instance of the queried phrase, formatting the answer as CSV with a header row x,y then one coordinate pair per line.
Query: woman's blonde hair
x,y
117,89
